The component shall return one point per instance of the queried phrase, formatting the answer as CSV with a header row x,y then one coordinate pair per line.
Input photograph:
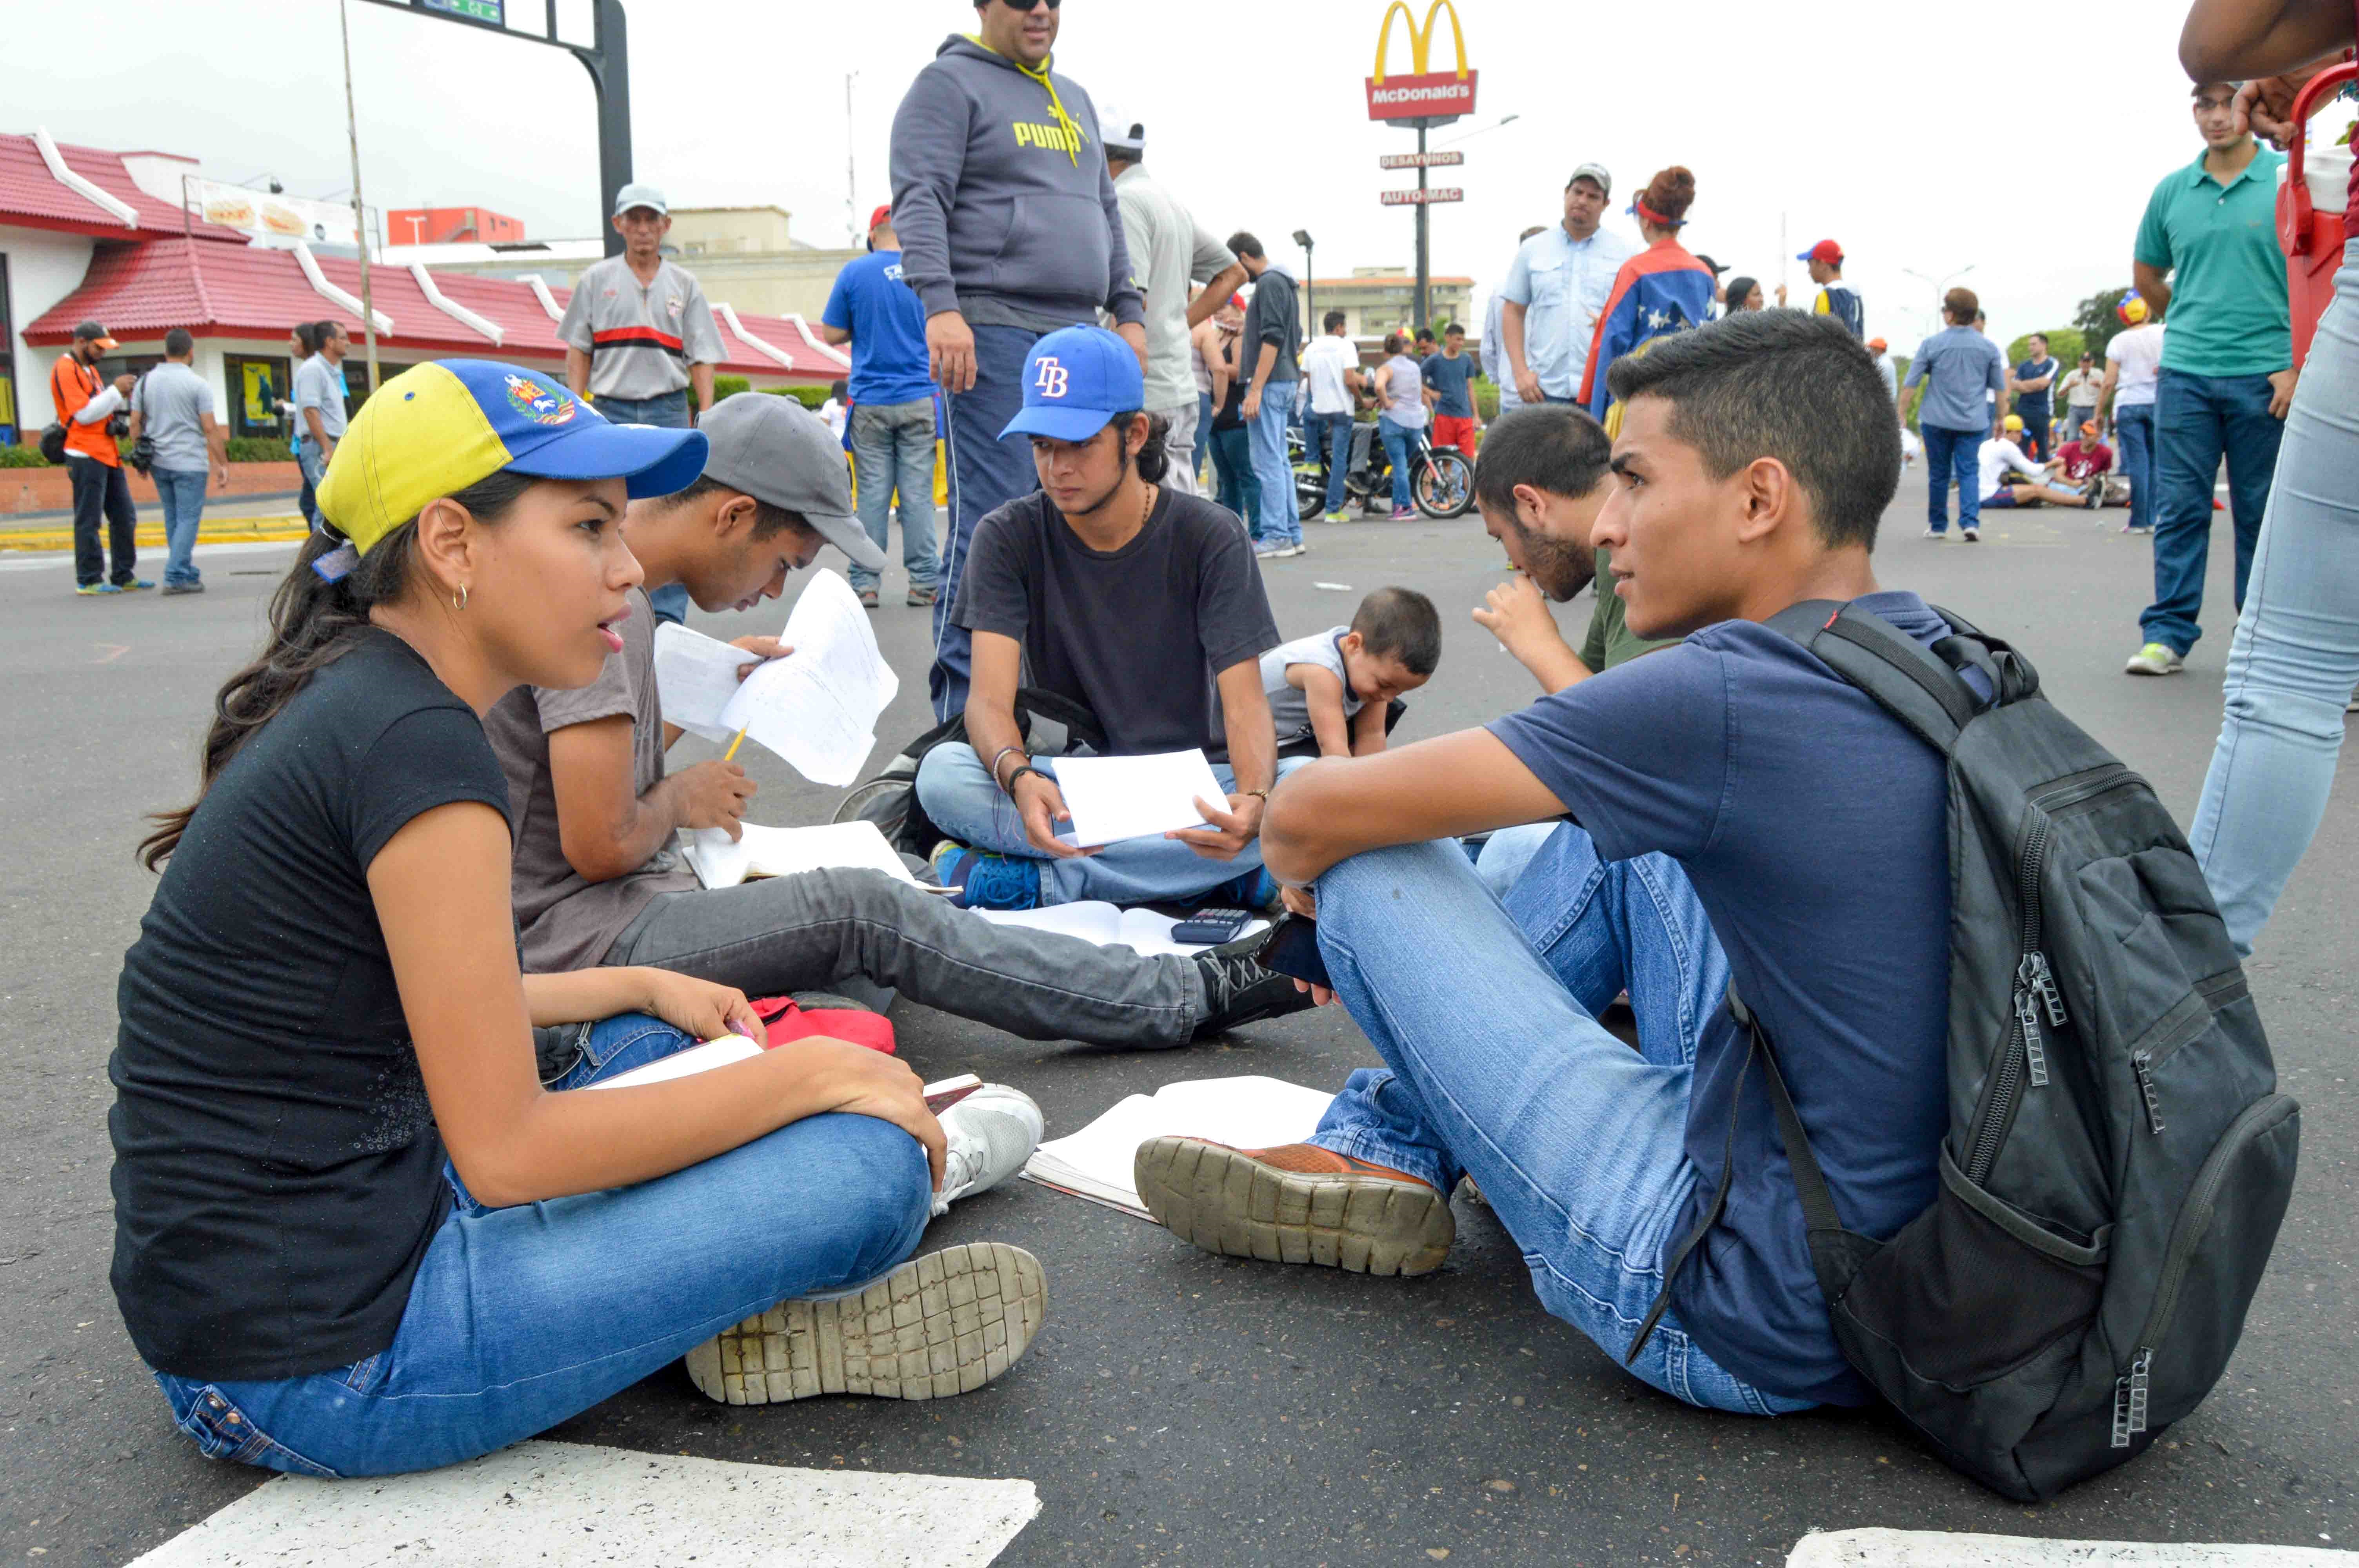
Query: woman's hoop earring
x,y
459,599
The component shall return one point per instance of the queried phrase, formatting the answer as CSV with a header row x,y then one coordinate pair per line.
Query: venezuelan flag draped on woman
x,y
1661,289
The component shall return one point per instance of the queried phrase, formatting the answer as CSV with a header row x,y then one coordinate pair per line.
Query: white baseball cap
x,y
1119,133
637,195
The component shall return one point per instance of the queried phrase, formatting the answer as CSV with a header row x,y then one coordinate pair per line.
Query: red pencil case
x,y
784,1019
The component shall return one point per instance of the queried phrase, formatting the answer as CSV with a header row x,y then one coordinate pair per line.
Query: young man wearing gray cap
x,y
638,334
1558,284
595,880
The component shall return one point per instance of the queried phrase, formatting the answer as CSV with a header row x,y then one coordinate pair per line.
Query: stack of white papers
x,y
1143,931
686,1063
817,707
720,862
1245,1113
1113,798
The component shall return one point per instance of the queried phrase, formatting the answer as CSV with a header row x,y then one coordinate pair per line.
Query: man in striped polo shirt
x,y
638,334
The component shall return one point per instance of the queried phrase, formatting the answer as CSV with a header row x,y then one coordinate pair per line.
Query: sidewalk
x,y
229,521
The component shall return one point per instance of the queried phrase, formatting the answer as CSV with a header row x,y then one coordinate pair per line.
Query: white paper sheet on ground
x,y
695,676
1945,1549
686,1063
720,862
817,707
1114,798
1245,1113
1142,931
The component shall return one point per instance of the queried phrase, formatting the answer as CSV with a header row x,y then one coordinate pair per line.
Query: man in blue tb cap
x,y
1144,605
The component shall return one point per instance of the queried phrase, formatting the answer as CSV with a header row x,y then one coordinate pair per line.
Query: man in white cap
x,y
1554,290
638,334
1169,250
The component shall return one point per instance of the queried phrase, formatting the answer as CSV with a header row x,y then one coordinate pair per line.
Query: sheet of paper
x,y
817,707
1143,931
1114,798
686,1063
1245,1113
695,676
784,851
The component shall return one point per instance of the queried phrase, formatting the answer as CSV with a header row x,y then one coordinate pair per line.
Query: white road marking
x,y
566,1505
1937,1549
32,563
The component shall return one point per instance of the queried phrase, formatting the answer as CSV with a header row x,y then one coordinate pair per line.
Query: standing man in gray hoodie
x,y
1010,230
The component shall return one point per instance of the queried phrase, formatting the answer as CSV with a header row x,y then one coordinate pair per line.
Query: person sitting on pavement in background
x,y
1753,464
1335,688
1143,606
596,881
2011,476
1450,390
355,1233
2085,456
891,422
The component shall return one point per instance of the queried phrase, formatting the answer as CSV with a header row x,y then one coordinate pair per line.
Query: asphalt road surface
x,y
1179,1406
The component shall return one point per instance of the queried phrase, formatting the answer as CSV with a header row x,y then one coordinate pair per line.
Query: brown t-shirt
x,y
568,922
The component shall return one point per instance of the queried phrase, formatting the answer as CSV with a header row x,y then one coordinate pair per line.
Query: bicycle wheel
x,y
1445,483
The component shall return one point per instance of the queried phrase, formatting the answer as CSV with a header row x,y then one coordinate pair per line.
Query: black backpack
x,y
2117,1159
1052,726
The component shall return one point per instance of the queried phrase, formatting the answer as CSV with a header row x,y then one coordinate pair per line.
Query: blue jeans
x,y
986,473
1232,471
1495,1067
2198,420
669,412
1952,452
1400,444
306,500
1272,470
2295,659
960,797
182,491
522,1317
892,450
2135,426
1332,433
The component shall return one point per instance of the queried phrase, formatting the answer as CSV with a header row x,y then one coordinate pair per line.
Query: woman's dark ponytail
x,y
313,622
1153,458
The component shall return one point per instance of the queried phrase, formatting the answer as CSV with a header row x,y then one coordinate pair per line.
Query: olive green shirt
x,y
1610,641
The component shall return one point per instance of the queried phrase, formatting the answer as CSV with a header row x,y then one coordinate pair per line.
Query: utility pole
x,y
1424,263
360,218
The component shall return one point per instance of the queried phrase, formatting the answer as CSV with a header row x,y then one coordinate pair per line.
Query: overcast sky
x,y
1919,136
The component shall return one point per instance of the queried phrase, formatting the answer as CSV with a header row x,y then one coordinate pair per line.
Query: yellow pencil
x,y
731,754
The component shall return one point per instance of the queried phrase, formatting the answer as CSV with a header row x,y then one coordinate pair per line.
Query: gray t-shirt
x,y
1138,634
564,921
321,386
1169,250
174,401
1288,704
1270,318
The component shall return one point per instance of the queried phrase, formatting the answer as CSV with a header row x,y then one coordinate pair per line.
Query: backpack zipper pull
x,y
2130,1397
2035,973
2142,1064
2035,1050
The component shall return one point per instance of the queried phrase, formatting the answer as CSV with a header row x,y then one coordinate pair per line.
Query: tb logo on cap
x,y
1051,381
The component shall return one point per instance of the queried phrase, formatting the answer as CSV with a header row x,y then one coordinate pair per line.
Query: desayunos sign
x,y
1431,96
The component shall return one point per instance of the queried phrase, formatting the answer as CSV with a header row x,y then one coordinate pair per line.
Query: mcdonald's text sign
x,y
1421,94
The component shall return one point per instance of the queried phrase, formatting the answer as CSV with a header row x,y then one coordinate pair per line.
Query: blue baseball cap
x,y
1075,380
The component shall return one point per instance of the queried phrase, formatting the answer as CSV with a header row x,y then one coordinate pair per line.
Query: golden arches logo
x,y
1420,39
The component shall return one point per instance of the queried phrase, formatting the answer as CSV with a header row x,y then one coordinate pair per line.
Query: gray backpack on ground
x,y
2117,1159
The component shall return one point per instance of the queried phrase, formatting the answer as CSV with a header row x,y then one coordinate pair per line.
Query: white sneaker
x,y
2154,659
992,1132
1970,535
1935,533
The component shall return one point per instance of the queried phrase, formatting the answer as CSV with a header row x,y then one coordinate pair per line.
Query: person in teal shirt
x,y
2207,257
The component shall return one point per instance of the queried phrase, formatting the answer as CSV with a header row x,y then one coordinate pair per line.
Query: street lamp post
x,y
1310,284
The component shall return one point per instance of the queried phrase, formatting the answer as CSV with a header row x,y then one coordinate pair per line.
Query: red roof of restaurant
x,y
33,198
143,289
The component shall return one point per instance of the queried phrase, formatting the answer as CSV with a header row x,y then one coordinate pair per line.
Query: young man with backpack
x,y
1902,1194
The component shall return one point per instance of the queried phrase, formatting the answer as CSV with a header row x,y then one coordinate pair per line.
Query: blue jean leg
x,y
669,412
2198,421
960,797
1334,438
2295,659
2135,427
1400,442
1273,470
182,492
893,454
1233,468
1575,1139
1953,454
522,1317
985,473
1505,853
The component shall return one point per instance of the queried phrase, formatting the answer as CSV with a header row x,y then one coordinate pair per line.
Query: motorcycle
x,y
1442,479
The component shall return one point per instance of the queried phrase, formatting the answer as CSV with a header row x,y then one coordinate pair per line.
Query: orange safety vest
x,y
90,440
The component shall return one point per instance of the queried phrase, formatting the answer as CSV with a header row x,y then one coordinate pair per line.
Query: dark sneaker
x,y
867,599
1239,990
988,880
944,1323
920,597
169,588
1294,1203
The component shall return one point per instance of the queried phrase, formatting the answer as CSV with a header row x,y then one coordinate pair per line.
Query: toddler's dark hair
x,y
1400,623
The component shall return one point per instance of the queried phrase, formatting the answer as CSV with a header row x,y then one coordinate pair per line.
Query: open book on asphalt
x,y
1245,1113
720,861
1143,931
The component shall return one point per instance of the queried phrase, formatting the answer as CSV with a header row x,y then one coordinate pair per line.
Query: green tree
x,y
2096,318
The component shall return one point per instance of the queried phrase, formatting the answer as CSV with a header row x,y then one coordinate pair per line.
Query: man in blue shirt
x,y
1740,815
1964,375
1558,283
892,405
2030,382
1450,390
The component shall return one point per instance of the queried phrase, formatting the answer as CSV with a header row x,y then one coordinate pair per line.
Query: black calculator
x,y
1213,925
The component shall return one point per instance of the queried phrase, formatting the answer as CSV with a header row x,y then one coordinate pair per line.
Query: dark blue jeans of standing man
x,y
102,495
1332,433
2133,428
1949,452
986,473
1232,471
670,412
2198,420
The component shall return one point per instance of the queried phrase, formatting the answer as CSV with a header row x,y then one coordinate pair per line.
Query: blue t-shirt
x,y
1450,379
887,327
1815,830
2034,406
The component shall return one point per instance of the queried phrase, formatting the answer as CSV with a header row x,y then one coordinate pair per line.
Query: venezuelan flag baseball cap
x,y
1075,380
437,429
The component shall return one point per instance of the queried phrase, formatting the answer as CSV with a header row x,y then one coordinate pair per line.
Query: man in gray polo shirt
x,y
638,334
173,407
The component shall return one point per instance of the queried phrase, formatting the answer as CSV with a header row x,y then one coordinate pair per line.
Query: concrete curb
x,y
150,537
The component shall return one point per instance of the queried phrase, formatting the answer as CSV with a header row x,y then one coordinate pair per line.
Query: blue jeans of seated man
x,y
669,412
1952,452
520,1318
985,473
2295,659
1400,444
960,797
2133,428
2198,420
1576,1141
893,452
1277,521
1331,434
182,491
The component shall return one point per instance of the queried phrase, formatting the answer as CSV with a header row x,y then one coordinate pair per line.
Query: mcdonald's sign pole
x,y
1422,99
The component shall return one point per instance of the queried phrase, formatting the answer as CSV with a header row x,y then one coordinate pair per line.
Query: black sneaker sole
x,y
1228,1203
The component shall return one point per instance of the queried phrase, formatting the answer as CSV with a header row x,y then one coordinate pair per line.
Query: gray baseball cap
x,y
637,194
1594,171
775,450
